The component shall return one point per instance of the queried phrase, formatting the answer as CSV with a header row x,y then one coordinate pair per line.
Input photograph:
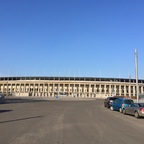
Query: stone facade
x,y
69,86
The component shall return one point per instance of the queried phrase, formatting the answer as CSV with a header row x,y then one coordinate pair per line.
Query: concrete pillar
x,y
95,90
53,90
114,90
64,88
33,89
100,90
43,90
119,90
11,88
134,91
3,88
84,90
141,89
38,91
105,89
35,92
19,88
110,89
124,90
89,90
78,90
74,91
24,87
58,89
129,90
48,90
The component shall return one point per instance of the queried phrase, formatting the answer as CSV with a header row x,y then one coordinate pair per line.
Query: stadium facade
x,y
86,87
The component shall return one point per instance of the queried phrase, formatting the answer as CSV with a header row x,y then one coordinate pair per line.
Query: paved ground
x,y
30,121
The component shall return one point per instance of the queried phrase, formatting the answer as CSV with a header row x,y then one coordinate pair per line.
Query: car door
x,y
131,109
117,104
114,105
128,109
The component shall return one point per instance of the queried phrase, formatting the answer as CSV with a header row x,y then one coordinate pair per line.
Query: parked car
x,y
1,95
136,109
108,101
120,103
2,98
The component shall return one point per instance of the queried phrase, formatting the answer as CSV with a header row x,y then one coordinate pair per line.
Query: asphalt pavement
x,y
39,121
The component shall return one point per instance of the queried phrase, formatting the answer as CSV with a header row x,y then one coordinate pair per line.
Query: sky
x,y
84,38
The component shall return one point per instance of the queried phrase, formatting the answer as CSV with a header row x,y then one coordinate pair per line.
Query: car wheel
x,y
137,114
124,111
111,108
120,110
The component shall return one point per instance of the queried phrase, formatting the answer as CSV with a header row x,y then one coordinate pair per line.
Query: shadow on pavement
x,y
19,100
21,119
2,111
10,100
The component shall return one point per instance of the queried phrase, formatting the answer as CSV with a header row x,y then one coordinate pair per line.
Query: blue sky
x,y
93,38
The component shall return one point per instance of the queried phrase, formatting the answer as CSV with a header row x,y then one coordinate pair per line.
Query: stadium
x,y
85,87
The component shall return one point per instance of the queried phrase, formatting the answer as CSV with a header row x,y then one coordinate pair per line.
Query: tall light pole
x,y
136,67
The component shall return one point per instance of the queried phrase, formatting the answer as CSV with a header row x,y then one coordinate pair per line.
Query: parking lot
x,y
64,121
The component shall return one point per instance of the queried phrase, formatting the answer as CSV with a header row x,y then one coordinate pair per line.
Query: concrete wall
x,y
86,89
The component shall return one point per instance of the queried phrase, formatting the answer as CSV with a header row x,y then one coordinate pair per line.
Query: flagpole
x,y
136,66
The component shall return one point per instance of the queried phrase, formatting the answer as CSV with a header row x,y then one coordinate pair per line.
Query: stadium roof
x,y
70,79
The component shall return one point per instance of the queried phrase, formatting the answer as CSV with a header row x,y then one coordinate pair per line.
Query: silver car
x,y
136,109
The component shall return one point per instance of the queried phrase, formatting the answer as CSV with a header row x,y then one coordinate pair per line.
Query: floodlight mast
x,y
136,68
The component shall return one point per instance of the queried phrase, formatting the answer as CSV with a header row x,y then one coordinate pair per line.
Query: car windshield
x,y
141,104
133,105
128,102
113,98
